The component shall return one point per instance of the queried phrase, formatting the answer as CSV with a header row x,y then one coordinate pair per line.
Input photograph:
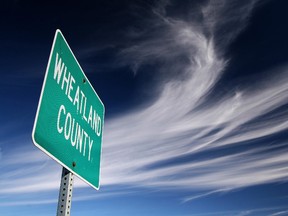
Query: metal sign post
x,y
65,193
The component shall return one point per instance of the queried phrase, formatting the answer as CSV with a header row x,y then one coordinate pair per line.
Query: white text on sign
x,y
71,129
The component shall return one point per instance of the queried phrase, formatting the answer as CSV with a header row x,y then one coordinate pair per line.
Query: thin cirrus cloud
x,y
185,139
281,210
185,122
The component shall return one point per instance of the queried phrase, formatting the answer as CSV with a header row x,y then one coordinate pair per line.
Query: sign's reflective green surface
x,y
70,116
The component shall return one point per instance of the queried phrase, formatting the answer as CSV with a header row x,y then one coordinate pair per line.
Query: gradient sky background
x,y
196,96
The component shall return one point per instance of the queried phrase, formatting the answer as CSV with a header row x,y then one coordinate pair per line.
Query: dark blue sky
x,y
196,99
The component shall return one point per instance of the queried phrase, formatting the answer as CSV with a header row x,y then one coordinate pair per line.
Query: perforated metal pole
x,y
65,193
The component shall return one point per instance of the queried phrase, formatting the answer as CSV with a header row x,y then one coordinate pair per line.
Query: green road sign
x,y
70,115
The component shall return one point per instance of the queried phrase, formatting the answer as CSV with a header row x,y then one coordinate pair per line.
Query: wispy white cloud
x,y
191,198
185,121
255,211
24,170
28,202
280,213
